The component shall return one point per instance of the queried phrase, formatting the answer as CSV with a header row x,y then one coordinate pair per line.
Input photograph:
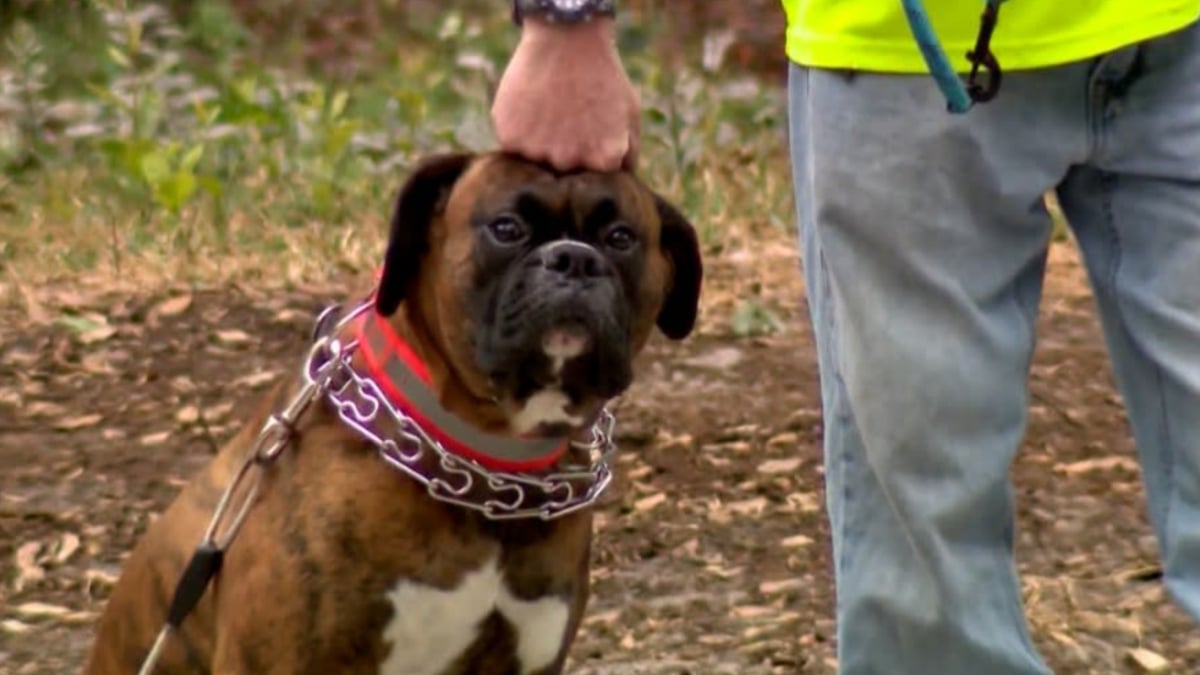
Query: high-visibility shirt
x,y
873,35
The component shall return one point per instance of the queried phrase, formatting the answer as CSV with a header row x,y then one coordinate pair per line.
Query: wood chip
x,y
778,466
796,541
78,422
67,547
172,306
648,503
753,611
233,336
1101,464
217,412
187,415
1148,661
780,586
748,507
41,610
256,380
157,438
14,627
28,569
786,439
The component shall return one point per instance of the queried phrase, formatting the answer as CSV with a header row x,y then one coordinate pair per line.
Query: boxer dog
x,y
510,307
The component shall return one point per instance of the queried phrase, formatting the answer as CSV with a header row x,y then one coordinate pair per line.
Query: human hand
x,y
565,98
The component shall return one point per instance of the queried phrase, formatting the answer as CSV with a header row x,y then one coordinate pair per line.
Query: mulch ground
x,y
712,548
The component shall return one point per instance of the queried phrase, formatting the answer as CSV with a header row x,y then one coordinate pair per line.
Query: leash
x,y
277,433
960,97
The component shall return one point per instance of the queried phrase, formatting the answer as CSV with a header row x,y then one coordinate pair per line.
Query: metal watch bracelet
x,y
563,11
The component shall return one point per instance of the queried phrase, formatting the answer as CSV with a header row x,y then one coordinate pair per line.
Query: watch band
x,y
563,11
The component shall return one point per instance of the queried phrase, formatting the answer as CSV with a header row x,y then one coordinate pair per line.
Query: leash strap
x,y
277,433
960,97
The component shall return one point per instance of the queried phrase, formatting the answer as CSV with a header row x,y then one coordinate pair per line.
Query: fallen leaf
x,y
748,507
44,409
10,397
607,618
724,572
97,577
289,315
722,358
804,502
667,441
796,541
14,627
88,328
97,334
647,503
172,306
217,412
97,363
778,466
28,569
1102,464
67,547
256,380
753,611
233,336
157,438
1148,661
780,586
41,610
786,439
640,472
78,422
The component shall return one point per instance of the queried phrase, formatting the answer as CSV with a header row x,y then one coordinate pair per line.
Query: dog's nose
x,y
573,260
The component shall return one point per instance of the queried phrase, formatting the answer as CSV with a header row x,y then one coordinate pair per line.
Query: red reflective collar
x,y
403,377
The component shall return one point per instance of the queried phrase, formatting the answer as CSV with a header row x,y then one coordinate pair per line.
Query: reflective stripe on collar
x,y
404,378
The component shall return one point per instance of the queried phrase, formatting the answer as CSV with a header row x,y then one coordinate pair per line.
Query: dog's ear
x,y
420,199
678,239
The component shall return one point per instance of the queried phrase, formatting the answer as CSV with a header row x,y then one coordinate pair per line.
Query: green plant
x,y
200,145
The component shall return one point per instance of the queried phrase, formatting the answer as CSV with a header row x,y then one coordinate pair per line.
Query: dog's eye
x,y
620,238
508,230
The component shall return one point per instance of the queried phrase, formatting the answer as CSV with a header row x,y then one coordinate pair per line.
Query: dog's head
x,y
538,288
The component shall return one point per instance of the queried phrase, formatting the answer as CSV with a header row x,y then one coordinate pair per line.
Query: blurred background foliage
x,y
204,138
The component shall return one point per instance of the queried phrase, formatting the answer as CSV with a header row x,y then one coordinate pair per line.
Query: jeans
x,y
924,243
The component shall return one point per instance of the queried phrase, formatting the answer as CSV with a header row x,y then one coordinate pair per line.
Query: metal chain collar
x,y
358,402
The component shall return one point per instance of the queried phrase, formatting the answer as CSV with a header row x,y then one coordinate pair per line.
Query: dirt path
x,y
712,548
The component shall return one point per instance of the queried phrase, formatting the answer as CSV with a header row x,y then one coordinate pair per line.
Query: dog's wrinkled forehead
x,y
502,184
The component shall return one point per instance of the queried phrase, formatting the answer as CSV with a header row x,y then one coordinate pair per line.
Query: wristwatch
x,y
563,11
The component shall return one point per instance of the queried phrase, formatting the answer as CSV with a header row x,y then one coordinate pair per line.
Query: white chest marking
x,y
431,628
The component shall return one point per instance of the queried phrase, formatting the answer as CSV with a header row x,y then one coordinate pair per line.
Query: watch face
x,y
566,10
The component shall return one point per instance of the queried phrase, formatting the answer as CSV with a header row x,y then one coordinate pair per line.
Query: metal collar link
x,y
357,401
361,405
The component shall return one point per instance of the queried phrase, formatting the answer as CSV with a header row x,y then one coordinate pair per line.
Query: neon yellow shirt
x,y
874,35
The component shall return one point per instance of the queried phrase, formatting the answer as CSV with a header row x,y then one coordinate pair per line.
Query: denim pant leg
x,y
924,239
1136,213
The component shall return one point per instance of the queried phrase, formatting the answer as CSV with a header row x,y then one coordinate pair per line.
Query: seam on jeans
x,y
844,460
1108,187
